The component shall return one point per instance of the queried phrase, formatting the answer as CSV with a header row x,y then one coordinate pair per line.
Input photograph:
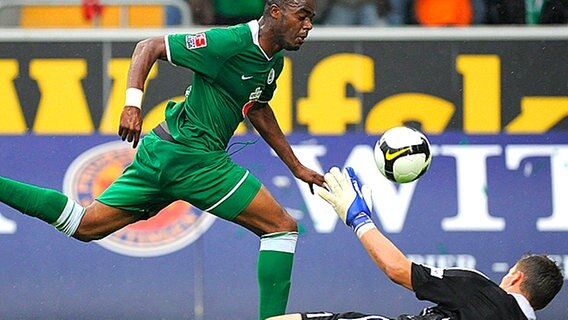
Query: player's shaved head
x,y
285,24
283,4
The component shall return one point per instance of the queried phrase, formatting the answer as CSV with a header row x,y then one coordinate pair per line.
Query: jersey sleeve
x,y
448,288
268,92
204,52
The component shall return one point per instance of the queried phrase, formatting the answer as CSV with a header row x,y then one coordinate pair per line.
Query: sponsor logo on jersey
x,y
172,229
271,75
196,41
255,94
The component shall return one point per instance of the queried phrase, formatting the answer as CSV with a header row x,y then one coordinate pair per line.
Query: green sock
x,y
275,261
45,204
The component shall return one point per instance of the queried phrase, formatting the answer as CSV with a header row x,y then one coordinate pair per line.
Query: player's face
x,y
295,22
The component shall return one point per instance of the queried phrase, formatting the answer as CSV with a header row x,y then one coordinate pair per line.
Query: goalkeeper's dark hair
x,y
543,279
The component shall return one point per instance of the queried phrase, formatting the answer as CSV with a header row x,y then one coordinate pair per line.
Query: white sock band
x,y
279,241
134,97
69,220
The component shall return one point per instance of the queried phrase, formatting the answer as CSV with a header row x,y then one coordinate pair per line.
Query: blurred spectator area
x,y
91,13
180,13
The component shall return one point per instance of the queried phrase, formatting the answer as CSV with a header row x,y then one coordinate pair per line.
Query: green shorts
x,y
163,172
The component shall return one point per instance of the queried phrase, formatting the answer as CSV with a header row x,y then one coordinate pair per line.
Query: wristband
x,y
362,229
361,223
134,97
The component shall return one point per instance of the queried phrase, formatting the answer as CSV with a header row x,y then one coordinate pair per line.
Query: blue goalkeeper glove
x,y
348,197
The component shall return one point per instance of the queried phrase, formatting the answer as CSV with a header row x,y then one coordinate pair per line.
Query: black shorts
x,y
364,316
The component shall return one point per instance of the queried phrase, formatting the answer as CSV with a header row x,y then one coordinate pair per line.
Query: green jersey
x,y
231,73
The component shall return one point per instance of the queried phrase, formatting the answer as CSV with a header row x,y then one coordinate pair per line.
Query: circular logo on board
x,y
172,229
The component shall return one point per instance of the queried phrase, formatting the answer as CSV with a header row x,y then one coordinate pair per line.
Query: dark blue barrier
x,y
485,201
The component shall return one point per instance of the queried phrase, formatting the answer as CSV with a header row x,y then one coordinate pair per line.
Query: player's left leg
x,y
251,205
278,237
232,193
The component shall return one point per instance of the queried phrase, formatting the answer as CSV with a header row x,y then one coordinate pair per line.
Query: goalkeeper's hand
x,y
347,196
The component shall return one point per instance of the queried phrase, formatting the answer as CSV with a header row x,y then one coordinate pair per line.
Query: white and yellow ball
x,y
402,154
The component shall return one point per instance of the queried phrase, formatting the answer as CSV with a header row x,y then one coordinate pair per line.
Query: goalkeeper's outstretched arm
x,y
388,257
347,196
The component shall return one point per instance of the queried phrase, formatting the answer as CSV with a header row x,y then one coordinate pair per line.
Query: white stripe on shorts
x,y
229,194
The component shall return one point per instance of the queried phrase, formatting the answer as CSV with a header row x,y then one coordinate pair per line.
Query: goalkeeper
x,y
459,294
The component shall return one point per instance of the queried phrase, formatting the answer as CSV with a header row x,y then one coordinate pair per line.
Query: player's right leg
x,y
101,220
135,195
48,205
91,223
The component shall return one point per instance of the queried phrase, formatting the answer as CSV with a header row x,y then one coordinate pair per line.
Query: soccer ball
x,y
402,154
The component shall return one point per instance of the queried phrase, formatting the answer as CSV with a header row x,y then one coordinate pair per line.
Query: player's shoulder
x,y
234,37
279,55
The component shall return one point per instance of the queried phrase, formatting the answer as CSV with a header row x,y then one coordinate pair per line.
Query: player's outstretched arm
x,y
347,196
264,121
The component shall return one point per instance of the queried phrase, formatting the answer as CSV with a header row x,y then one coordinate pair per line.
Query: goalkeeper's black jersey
x,y
459,294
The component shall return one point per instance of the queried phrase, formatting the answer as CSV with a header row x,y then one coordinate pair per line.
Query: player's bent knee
x,y
285,223
289,224
87,238
90,228
87,235
95,229
101,220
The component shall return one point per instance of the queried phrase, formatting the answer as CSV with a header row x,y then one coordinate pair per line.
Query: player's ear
x,y
517,277
274,11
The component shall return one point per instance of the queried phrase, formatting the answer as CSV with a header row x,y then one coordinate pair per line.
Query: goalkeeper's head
x,y
537,277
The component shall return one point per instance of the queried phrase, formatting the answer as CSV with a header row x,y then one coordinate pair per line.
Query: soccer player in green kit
x,y
235,71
